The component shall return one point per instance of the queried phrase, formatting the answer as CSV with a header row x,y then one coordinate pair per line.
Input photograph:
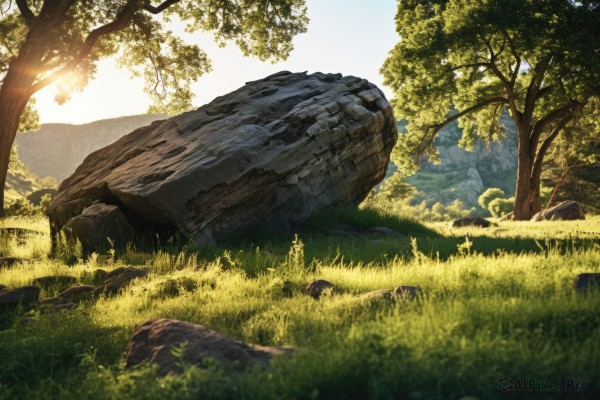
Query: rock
x,y
76,294
9,261
408,292
267,156
586,281
317,287
2,287
36,197
54,280
98,223
52,301
120,278
567,210
474,221
24,295
154,339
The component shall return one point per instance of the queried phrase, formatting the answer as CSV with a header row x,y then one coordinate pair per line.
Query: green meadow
x,y
497,302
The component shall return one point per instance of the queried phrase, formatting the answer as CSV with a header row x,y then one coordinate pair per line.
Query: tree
x,y
470,60
45,41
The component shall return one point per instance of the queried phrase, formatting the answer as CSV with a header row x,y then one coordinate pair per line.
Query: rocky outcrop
x,y
265,157
154,340
567,211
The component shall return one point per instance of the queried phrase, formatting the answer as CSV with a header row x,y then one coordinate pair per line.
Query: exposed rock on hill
x,y
266,156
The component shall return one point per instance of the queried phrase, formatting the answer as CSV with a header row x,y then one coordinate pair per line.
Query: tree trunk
x,y
10,112
527,192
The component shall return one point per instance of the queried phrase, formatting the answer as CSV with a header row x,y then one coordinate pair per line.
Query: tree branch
x,y
539,159
436,128
160,8
26,12
123,18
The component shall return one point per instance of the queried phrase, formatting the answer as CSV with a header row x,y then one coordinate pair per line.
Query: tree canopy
x,y
473,59
47,41
78,33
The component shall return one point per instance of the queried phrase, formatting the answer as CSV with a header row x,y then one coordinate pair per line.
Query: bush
x,y
500,207
490,195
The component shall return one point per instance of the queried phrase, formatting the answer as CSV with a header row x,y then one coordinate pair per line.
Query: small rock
x,y
154,339
474,221
567,211
76,294
52,301
408,292
120,278
54,280
24,295
2,287
316,288
586,281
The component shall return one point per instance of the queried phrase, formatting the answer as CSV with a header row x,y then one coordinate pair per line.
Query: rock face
x,y
154,340
567,210
266,156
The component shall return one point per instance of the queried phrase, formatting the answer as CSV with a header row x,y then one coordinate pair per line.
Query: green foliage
x,y
468,60
489,195
499,207
136,32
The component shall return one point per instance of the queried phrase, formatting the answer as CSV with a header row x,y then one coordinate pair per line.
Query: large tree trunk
x,y
10,111
527,192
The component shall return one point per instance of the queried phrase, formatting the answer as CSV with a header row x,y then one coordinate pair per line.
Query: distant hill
x,y
57,149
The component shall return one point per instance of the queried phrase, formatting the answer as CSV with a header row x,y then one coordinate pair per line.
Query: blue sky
x,y
348,36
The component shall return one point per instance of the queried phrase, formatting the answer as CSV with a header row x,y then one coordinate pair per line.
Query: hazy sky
x,y
348,36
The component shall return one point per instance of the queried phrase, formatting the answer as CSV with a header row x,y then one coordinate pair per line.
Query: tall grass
x,y
497,307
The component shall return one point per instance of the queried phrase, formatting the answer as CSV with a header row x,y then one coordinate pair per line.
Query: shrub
x,y
499,207
488,196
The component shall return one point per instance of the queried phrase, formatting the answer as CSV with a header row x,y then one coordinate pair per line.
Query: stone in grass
x,y
25,296
381,294
316,288
154,340
408,292
119,279
2,287
586,281
471,221
566,211
76,294
54,280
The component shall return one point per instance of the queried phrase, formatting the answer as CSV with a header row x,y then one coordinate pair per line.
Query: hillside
x,y
57,149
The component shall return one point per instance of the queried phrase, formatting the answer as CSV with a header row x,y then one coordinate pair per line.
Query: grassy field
x,y
498,302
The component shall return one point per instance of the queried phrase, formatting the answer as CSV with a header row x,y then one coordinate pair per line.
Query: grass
x,y
497,302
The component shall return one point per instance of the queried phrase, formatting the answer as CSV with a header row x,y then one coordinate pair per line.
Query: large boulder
x,y
154,340
266,157
567,210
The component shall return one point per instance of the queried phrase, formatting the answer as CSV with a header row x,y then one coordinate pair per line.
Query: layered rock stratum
x,y
265,157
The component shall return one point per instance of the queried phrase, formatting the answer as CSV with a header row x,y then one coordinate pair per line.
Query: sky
x,y
352,37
